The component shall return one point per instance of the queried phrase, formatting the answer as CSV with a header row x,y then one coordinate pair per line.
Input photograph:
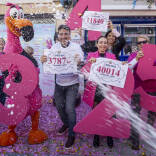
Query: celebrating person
x,y
2,44
66,88
102,46
115,41
132,61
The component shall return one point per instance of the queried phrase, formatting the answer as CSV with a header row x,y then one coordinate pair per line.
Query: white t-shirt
x,y
72,49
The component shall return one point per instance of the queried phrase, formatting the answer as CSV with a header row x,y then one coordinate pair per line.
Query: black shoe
x,y
54,104
96,141
135,145
110,142
62,129
70,141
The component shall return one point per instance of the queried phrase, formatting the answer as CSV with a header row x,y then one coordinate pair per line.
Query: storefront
x,y
132,19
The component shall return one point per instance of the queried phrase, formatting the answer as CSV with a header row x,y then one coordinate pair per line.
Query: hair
x,y
55,37
28,48
117,45
144,36
65,27
108,32
31,58
100,38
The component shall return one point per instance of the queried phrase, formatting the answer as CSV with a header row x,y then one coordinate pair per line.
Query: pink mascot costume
x,y
18,26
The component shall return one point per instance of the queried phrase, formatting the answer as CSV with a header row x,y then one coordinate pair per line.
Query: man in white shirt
x,y
67,85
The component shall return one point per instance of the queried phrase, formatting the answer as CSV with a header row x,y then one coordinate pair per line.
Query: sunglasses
x,y
142,42
61,34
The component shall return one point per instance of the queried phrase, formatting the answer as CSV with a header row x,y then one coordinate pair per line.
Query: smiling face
x,y
102,45
64,36
111,38
140,42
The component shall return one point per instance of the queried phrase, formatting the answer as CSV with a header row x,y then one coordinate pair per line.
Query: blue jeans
x,y
65,98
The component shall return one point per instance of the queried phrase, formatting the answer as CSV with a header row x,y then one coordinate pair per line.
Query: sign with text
x,y
59,63
97,21
108,71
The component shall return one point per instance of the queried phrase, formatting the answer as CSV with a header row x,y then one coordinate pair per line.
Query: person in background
x,y
66,87
2,74
135,102
2,44
29,51
115,41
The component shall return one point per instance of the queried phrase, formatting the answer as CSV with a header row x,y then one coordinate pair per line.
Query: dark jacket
x,y
118,46
90,46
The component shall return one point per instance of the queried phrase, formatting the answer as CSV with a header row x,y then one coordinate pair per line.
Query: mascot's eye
x,y
21,14
14,13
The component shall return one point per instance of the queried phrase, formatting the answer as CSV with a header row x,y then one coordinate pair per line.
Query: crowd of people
x,y
108,46
66,85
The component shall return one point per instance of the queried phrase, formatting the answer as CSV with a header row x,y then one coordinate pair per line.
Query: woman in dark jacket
x,y
115,42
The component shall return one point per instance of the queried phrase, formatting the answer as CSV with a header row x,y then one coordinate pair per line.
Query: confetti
x,y
54,146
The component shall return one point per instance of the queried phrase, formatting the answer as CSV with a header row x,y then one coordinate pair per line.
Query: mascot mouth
x,y
27,33
21,27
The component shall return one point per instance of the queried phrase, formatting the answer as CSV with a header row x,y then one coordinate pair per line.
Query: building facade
x,y
132,18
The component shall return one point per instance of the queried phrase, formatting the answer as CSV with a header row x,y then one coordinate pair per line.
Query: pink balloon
x,y
16,106
100,120
147,73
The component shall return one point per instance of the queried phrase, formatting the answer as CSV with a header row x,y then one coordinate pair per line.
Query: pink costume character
x,y
18,26
135,102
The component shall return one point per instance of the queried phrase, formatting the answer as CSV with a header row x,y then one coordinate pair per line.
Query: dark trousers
x,y
65,97
97,99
